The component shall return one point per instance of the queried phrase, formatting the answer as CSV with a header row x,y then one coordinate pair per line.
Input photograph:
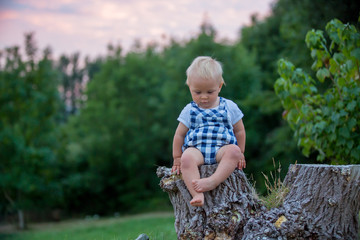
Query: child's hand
x,y
175,169
242,162
176,166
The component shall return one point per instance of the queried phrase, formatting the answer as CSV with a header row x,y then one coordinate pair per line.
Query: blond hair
x,y
205,67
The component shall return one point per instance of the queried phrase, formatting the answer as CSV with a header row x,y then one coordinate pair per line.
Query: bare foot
x,y
204,184
198,200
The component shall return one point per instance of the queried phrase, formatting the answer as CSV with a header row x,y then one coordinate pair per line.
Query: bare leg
x,y
190,160
228,157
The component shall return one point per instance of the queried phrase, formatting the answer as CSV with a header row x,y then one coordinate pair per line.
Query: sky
x,y
88,26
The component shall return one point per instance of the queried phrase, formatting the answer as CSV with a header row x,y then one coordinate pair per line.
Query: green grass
x,y
158,226
276,190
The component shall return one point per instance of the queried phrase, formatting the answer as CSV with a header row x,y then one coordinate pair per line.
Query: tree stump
x,y
323,203
226,210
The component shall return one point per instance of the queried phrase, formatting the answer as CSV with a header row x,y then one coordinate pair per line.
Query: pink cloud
x,y
8,15
88,26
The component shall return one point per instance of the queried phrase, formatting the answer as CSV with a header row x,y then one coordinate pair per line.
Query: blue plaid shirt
x,y
209,130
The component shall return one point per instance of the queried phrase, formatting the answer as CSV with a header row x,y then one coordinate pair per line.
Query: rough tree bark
x,y
323,203
225,212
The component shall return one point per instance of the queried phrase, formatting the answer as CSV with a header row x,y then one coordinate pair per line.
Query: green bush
x,y
325,113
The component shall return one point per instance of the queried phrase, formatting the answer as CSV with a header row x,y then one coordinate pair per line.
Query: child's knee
x,y
186,161
192,157
233,152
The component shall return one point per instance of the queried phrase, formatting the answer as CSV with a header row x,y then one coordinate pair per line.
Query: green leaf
x,y
351,123
320,125
320,157
313,89
351,105
355,154
339,57
341,82
285,68
314,38
295,89
322,73
293,116
349,65
332,137
334,66
332,29
350,144
344,132
356,53
339,104
317,64
313,53
280,85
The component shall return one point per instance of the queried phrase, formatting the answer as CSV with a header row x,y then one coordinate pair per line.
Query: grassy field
x,y
158,226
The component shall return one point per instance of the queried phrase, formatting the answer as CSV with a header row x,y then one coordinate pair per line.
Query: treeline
x,y
86,135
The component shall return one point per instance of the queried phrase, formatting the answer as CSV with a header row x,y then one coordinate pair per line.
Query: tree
x,y
281,35
325,114
317,206
298,17
28,107
225,213
321,203
117,135
71,83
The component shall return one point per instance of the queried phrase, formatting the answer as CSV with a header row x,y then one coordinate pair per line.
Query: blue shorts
x,y
209,153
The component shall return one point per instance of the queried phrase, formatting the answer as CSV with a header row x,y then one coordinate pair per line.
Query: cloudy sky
x,y
88,26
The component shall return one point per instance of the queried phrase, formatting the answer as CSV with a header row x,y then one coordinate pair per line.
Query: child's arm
x,y
178,141
240,134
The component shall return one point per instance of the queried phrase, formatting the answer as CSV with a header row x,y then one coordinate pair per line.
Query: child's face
x,y
204,92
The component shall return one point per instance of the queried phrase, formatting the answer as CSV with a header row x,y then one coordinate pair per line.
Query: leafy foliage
x,y
281,35
325,113
29,106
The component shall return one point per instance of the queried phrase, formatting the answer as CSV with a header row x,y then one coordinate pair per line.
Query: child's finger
x,y
176,170
242,164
